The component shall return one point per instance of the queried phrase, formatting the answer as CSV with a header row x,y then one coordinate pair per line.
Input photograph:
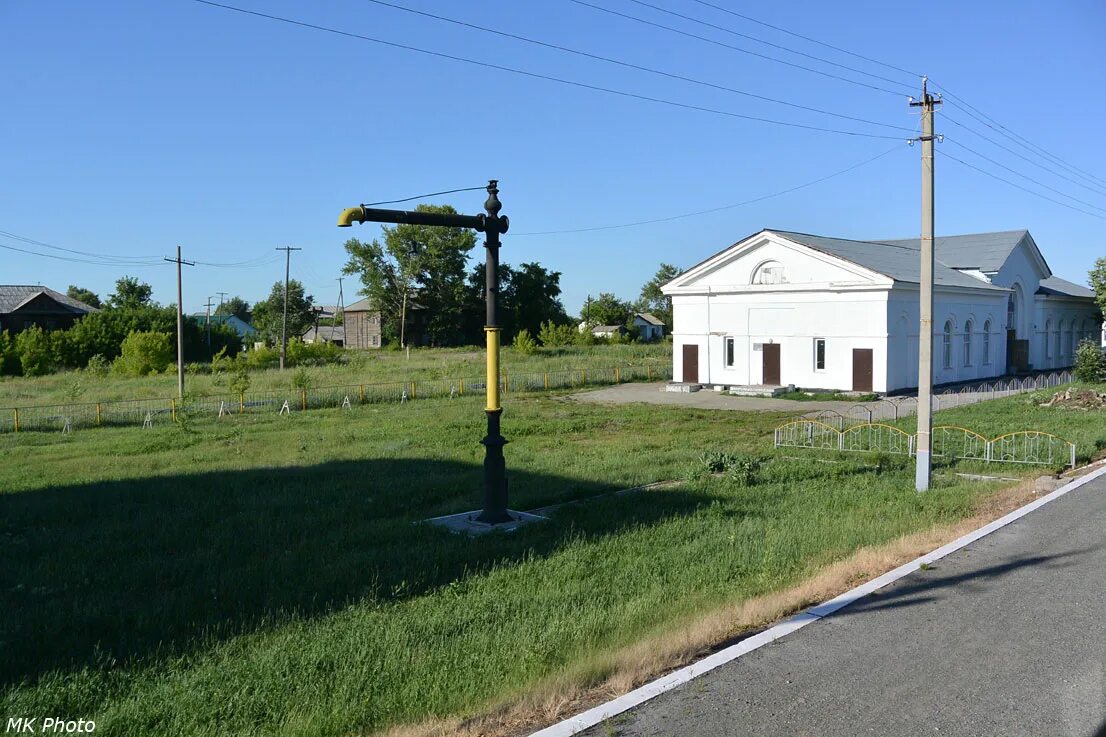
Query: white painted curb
x,y
640,695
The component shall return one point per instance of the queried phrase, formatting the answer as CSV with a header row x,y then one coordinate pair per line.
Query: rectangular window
x,y
729,351
819,354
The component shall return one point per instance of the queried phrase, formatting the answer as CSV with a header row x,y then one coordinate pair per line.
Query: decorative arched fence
x,y
894,408
949,441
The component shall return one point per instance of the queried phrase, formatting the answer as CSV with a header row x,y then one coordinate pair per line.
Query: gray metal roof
x,y
13,295
897,260
649,317
1064,288
983,251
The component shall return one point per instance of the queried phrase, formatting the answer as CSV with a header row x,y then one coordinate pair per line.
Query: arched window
x,y
968,342
986,342
1074,339
947,344
770,272
1011,312
1048,344
1059,343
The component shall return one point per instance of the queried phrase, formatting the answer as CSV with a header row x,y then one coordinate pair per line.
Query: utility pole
x,y
207,326
284,324
340,311
925,304
587,313
222,297
180,323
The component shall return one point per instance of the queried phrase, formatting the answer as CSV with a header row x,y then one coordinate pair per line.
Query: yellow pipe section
x,y
493,369
351,215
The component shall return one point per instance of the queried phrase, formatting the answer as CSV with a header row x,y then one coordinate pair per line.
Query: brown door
x,y
862,369
691,364
770,364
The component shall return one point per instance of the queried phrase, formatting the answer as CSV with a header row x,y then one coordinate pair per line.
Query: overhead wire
x,y
101,257
715,42
629,65
732,32
1023,176
715,209
806,38
1002,130
1024,189
547,77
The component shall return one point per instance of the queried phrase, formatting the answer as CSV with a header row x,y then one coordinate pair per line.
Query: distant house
x,y
245,331
602,331
361,325
22,307
649,327
335,334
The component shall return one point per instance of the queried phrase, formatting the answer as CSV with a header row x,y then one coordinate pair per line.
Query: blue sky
x,y
133,127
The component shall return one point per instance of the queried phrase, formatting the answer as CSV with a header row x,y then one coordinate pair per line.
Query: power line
x,y
118,260
628,65
1024,189
550,78
762,41
1023,176
724,45
717,209
1004,131
421,196
808,38
71,259
993,142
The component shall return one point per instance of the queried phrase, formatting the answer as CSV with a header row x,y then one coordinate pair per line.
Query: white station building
x,y
781,308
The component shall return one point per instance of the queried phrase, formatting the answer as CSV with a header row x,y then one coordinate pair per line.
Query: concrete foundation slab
x,y
466,522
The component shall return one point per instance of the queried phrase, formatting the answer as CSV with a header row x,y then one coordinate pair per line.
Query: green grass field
x,y
362,367
268,575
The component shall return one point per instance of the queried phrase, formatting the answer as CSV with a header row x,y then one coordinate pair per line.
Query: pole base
x,y
921,471
469,523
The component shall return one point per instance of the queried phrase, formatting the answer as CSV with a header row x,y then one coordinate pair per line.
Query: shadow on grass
x,y
106,573
926,590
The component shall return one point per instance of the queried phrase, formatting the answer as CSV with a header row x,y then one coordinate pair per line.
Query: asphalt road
x,y
1004,637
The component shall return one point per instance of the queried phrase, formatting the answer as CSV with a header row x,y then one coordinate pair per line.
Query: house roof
x,y
236,323
897,260
361,305
13,296
986,252
649,318
1063,288
326,332
606,328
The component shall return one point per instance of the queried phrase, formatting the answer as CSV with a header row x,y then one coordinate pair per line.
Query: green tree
x,y
81,294
34,349
535,298
130,293
415,264
1098,283
524,343
653,300
268,314
236,306
607,309
552,335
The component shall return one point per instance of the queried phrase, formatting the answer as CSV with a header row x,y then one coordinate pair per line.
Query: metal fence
x,y
949,441
146,412
894,408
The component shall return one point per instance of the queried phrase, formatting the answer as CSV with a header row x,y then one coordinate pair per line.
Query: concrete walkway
x,y
1004,637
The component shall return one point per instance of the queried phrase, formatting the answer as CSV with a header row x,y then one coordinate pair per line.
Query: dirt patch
x,y
1073,398
612,674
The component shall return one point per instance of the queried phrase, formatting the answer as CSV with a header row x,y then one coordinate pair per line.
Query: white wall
x,y
1053,319
857,320
960,308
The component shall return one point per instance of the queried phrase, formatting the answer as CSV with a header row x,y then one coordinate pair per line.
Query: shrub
x,y
742,469
34,349
9,356
143,354
240,378
301,379
311,354
524,343
552,335
98,366
1090,364
263,357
